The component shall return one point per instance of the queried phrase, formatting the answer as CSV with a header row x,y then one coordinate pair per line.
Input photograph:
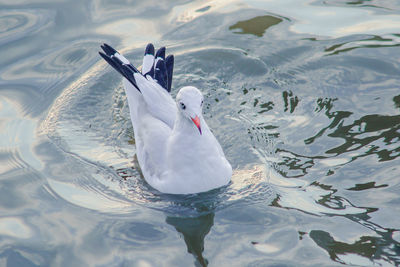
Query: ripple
x,y
9,23
89,197
104,10
16,138
359,3
332,20
76,124
10,161
248,186
16,24
38,80
364,251
53,65
375,41
14,227
230,61
26,98
96,101
135,233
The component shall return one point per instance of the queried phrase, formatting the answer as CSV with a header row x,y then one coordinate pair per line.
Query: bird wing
x,y
154,86
159,102
151,107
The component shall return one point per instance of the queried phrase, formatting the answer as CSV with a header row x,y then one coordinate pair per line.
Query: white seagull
x,y
177,152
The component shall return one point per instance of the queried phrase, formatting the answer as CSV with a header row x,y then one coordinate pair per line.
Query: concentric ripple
x,y
16,24
90,122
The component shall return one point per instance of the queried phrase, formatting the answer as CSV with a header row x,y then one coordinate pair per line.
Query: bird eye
x,y
182,105
201,103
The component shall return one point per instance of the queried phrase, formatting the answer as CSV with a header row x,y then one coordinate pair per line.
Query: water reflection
x,y
194,230
396,100
333,103
232,74
335,140
291,101
356,42
320,199
363,132
256,26
366,250
315,18
366,186
314,198
358,3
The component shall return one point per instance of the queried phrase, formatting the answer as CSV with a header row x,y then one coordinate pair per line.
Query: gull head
x,y
190,104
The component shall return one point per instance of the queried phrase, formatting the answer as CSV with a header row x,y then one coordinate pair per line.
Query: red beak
x,y
196,121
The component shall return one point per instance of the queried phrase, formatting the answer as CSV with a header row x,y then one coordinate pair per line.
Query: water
x,y
303,96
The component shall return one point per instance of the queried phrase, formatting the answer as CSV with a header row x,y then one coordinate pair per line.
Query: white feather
x,y
148,61
173,155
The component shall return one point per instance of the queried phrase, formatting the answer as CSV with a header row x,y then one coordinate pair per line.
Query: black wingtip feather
x,y
169,63
122,69
161,74
110,61
133,68
108,49
151,73
149,49
128,74
161,53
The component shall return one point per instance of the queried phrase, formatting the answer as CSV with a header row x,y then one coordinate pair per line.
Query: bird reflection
x,y
194,230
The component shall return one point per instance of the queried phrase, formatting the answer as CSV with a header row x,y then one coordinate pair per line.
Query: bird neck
x,y
185,126
186,146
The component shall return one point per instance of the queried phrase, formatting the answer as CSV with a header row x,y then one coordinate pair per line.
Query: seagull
x,y
176,150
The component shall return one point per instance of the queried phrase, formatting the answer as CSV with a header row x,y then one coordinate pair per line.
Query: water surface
x,y
303,96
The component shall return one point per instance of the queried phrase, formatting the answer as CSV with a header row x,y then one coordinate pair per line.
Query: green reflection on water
x,y
371,247
256,26
374,41
384,127
396,101
366,186
290,101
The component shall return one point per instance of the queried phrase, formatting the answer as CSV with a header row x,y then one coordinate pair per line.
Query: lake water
x,y
303,96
